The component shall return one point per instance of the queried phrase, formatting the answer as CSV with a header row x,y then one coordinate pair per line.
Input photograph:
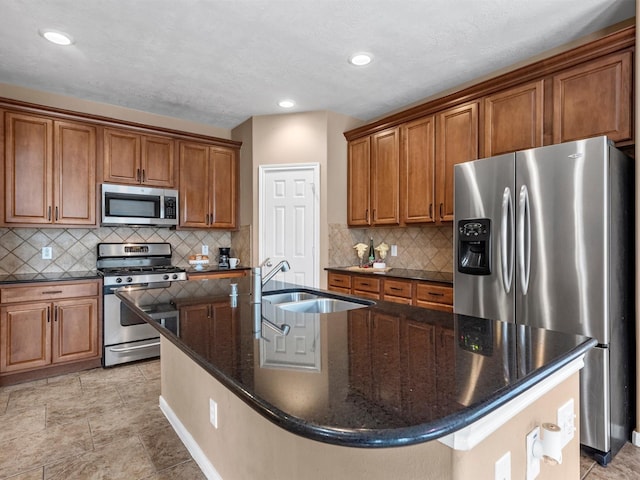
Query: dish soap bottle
x,y
372,252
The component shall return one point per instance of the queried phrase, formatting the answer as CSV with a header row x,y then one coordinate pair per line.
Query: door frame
x,y
315,169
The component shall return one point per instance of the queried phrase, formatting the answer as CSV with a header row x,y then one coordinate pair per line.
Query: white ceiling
x,y
220,62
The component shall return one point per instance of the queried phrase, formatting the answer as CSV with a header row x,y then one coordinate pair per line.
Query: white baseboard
x,y
194,449
635,438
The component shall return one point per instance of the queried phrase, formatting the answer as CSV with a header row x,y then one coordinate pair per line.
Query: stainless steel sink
x,y
288,297
320,305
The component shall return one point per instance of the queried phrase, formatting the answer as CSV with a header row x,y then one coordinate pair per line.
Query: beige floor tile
x,y
112,376
91,402
22,422
125,459
4,400
49,445
184,471
35,474
41,394
164,447
147,392
624,466
124,422
62,378
150,369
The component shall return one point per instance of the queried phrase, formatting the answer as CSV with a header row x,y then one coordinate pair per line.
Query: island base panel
x,y
246,445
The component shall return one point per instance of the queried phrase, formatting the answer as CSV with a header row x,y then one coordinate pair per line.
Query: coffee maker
x,y
223,257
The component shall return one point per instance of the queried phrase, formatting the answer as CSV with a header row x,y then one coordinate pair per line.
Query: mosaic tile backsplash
x,y
420,248
74,249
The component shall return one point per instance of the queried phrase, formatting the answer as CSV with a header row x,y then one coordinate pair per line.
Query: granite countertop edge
x,y
41,277
374,438
445,278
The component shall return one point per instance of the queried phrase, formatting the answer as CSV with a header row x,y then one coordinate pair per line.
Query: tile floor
x,y
106,424
98,424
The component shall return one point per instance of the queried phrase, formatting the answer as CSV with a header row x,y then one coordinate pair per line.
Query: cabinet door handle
x,y
49,213
441,207
48,314
374,215
56,213
50,292
55,314
431,210
367,215
138,175
397,289
436,294
143,174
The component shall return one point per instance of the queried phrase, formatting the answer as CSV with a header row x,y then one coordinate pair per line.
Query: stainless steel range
x,y
134,266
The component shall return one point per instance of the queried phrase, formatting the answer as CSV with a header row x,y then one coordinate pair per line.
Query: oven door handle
x,y
129,349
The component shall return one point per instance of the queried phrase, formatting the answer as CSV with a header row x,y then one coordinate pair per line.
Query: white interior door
x,y
289,220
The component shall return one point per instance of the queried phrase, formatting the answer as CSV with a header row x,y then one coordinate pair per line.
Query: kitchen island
x,y
382,391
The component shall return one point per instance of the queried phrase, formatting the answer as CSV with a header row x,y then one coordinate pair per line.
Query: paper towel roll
x,y
551,443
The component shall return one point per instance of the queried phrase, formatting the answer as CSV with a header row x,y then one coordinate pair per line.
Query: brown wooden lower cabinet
x,y
409,292
43,325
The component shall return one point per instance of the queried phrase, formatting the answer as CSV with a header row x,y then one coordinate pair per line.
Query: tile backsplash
x,y
421,248
74,249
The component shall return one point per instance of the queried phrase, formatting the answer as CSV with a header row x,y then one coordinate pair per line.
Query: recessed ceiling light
x,y
360,59
57,37
286,103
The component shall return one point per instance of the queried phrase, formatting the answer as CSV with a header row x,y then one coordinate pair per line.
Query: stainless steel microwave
x,y
143,206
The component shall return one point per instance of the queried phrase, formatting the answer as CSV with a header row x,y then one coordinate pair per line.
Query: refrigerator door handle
x,y
507,240
524,239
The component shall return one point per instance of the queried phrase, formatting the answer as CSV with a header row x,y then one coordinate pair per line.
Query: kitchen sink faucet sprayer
x,y
259,282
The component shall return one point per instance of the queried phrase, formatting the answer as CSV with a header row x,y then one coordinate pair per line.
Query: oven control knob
x,y
129,279
118,280
165,277
175,276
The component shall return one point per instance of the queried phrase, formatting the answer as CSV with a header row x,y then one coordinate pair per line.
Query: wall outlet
x,y
566,421
205,249
213,413
503,467
47,253
394,250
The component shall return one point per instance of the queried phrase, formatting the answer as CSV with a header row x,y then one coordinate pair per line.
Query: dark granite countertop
x,y
213,268
406,273
48,277
384,375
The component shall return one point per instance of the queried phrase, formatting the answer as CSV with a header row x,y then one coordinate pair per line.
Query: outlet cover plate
x,y
213,413
47,253
503,467
566,421
533,463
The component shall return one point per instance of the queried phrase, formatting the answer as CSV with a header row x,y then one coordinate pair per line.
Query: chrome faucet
x,y
259,282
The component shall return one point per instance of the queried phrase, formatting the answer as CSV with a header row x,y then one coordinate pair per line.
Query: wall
x,y
307,137
111,111
74,249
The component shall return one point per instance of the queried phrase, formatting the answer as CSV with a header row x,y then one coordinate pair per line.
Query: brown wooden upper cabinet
x,y
514,119
594,99
417,171
133,158
456,142
373,179
208,186
49,169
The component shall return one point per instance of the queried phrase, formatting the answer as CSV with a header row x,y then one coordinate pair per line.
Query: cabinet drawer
x,y
366,284
48,291
339,280
434,293
397,288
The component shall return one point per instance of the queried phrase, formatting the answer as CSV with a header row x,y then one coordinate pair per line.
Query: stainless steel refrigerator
x,y
544,237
